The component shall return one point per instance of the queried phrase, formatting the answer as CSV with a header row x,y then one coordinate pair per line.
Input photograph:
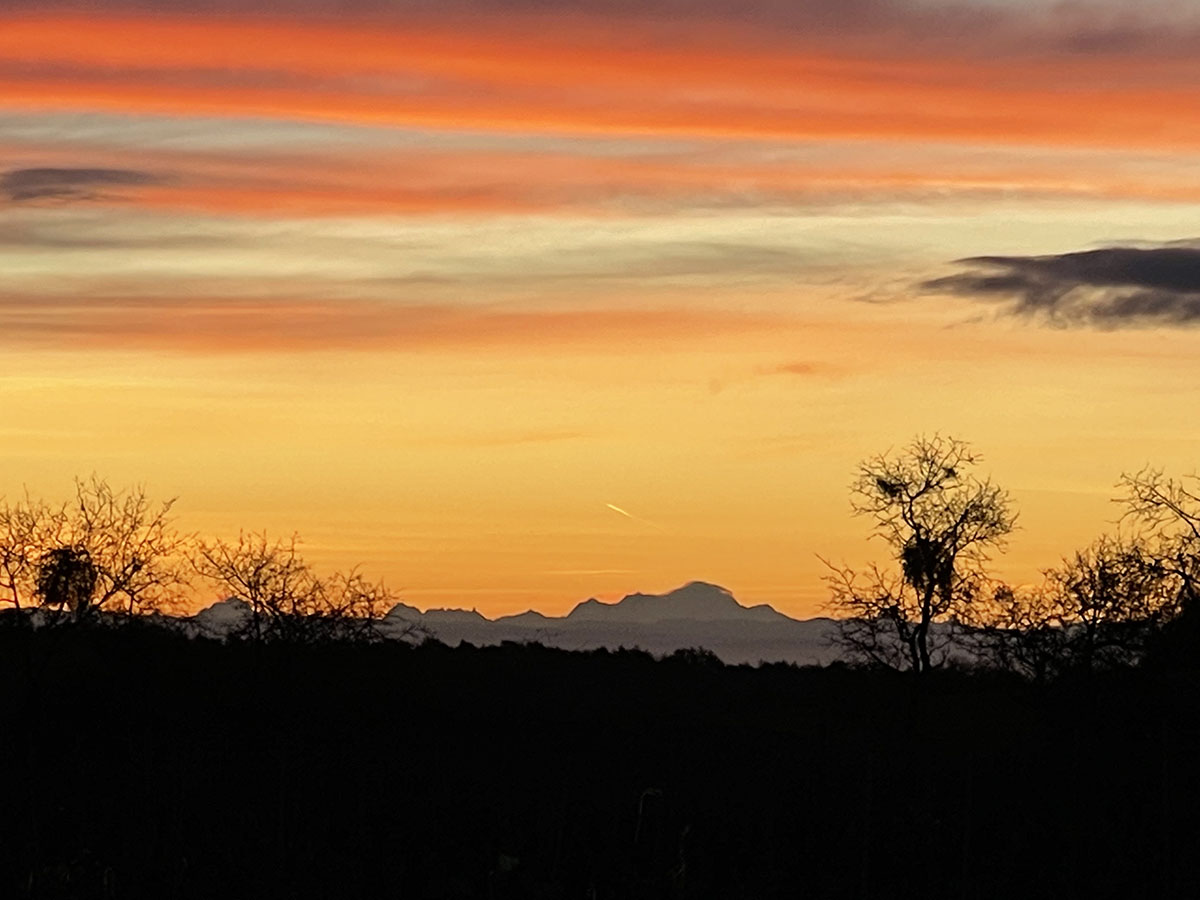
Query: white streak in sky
x,y
630,515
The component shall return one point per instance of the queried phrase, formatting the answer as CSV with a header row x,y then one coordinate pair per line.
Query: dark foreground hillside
x,y
138,764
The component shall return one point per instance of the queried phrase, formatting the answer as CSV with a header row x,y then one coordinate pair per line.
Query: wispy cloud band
x,y
570,77
231,326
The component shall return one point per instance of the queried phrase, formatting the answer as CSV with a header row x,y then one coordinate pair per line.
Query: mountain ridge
x,y
695,615
696,601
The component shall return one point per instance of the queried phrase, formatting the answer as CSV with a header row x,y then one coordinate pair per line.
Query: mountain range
x,y
696,615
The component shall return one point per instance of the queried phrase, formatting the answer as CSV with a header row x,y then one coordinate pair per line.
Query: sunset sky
x,y
516,303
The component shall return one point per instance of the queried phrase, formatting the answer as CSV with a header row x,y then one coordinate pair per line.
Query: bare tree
x,y
355,605
1167,510
140,559
1099,609
287,601
269,576
878,626
1114,595
940,522
1018,630
130,543
28,528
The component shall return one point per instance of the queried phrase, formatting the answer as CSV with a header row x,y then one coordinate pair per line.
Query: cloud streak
x,y
570,77
66,184
1108,287
231,326
418,179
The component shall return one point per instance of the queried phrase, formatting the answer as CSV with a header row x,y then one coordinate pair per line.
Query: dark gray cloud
x,y
1108,287
28,185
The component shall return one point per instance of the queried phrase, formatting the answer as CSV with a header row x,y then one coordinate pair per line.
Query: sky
x,y
517,303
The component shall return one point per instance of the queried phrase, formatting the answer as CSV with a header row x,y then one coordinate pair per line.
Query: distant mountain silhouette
x,y
450,616
529,619
696,601
222,618
697,614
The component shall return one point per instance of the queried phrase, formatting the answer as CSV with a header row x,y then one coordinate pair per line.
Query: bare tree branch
x,y
940,523
288,602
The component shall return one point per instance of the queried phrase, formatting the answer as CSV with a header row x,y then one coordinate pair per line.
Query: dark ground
x,y
140,764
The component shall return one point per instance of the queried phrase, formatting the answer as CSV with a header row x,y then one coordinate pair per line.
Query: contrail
x,y
630,515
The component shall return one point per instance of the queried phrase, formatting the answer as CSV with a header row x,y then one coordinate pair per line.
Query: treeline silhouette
x,y
1048,747
144,764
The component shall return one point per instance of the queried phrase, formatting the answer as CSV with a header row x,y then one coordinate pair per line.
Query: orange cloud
x,y
562,80
418,180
